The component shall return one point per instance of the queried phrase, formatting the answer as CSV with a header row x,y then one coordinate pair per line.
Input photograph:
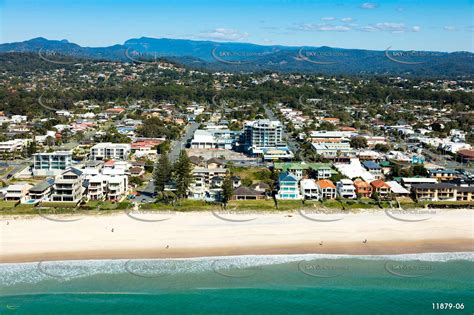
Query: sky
x,y
406,25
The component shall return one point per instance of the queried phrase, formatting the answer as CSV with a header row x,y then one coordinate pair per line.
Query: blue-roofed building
x,y
373,168
288,187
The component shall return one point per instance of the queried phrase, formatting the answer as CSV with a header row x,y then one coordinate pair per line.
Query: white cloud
x,y
224,34
368,5
450,28
390,27
368,28
322,27
347,20
328,18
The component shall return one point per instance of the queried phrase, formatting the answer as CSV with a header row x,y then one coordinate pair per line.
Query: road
x,y
17,166
178,145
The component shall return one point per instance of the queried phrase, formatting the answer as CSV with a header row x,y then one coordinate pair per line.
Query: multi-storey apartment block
x,y
52,163
263,133
68,186
107,151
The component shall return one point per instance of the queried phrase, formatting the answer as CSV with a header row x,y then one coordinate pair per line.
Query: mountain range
x,y
246,57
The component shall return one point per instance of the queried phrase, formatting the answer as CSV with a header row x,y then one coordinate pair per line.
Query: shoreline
x,y
355,249
189,235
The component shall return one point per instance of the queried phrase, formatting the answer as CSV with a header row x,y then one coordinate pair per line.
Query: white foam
x,y
11,274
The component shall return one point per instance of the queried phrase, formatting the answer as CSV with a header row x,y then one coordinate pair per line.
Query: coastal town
x,y
74,149
236,157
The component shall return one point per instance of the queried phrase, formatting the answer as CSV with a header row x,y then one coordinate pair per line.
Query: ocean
x,y
430,283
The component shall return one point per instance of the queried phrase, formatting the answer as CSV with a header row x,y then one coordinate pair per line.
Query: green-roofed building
x,y
322,170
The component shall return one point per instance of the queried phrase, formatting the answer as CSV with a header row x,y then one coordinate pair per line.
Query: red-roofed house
x,y
381,188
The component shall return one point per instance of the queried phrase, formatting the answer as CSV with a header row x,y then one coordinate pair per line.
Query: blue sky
x,y
420,25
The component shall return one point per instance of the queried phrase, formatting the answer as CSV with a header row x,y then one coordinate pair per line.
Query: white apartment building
x,y
52,163
107,151
215,138
346,189
12,146
68,186
110,187
263,133
332,150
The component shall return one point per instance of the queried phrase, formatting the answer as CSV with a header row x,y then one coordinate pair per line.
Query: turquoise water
x,y
283,284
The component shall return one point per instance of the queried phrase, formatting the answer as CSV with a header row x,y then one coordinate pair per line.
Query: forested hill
x,y
244,57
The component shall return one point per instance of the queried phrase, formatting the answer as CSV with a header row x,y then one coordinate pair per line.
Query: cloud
x,y
347,20
469,28
224,34
390,27
369,5
328,18
322,27
450,28
368,28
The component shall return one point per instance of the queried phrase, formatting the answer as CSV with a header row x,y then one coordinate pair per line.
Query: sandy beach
x,y
173,235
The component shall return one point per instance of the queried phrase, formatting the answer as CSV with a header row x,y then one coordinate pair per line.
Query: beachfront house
x,y
345,189
288,186
246,193
362,188
17,192
309,189
327,190
380,188
42,190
